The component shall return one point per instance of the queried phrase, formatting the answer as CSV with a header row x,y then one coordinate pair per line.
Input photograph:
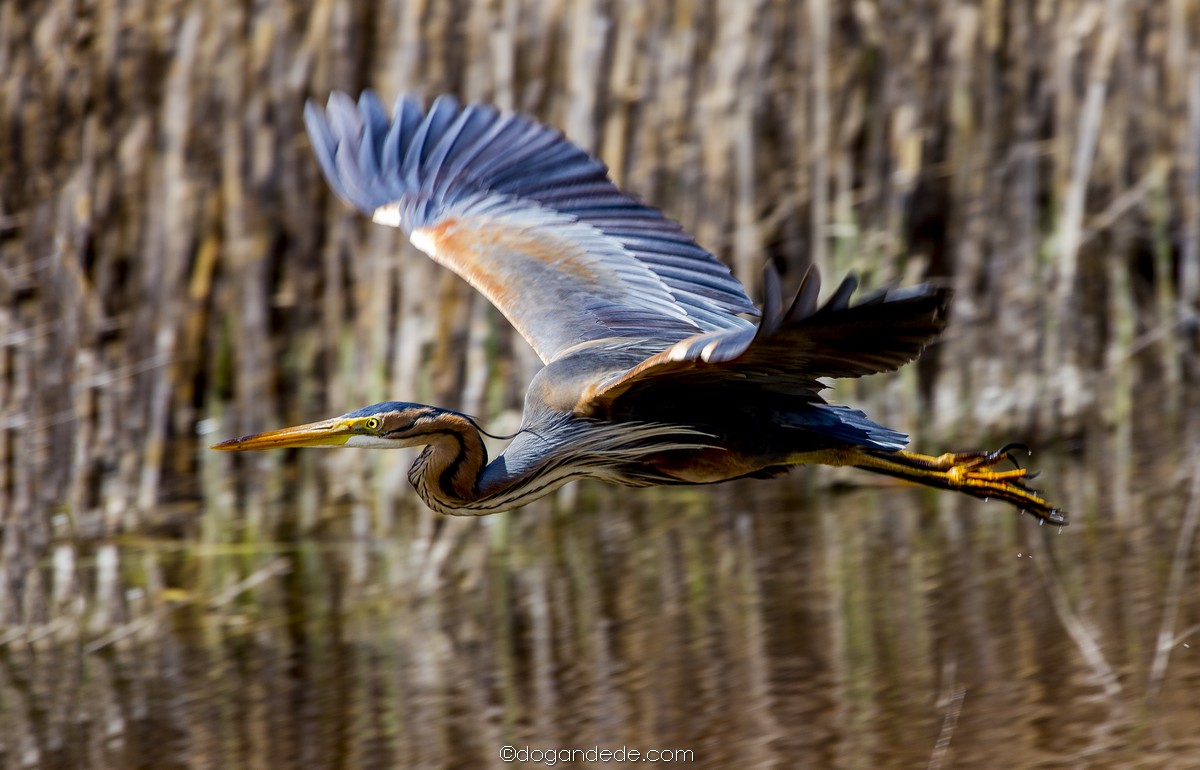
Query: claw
x,y
1014,445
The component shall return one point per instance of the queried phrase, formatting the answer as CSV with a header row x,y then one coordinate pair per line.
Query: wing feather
x,y
790,351
529,219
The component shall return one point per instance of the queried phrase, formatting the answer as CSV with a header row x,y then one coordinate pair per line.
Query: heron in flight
x,y
654,371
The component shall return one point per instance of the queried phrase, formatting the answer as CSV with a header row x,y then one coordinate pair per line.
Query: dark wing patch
x,y
501,175
792,349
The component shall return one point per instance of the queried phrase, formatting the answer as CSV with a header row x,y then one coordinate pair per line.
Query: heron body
x,y
655,370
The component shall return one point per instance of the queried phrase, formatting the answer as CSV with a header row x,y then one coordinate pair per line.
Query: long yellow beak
x,y
335,432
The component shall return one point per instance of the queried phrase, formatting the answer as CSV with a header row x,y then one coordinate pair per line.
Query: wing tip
x,y
452,151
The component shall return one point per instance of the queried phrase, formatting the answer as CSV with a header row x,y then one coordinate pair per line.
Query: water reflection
x,y
754,625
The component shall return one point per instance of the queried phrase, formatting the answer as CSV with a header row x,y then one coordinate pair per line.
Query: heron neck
x,y
452,475
446,474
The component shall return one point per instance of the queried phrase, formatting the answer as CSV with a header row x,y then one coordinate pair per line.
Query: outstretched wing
x,y
791,349
527,218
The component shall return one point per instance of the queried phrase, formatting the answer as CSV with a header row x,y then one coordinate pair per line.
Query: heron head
x,y
386,425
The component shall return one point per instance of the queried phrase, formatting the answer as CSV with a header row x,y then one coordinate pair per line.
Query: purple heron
x,y
654,372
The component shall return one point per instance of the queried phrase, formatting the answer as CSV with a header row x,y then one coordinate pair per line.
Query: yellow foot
x,y
967,472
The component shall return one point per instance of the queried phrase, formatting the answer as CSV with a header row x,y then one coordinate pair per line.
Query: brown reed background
x,y
175,271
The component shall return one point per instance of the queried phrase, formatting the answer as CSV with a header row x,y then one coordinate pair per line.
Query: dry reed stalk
x,y
819,14
1072,392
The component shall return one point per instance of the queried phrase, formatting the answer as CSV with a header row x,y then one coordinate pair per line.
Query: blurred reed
x,y
175,271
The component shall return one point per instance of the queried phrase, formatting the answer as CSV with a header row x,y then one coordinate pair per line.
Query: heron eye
x,y
373,423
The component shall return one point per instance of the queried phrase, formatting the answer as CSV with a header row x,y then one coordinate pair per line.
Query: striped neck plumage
x,y
446,473
452,475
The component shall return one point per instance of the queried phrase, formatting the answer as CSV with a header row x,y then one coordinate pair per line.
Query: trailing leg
x,y
968,472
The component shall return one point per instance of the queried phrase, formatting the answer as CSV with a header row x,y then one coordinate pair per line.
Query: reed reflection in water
x,y
755,625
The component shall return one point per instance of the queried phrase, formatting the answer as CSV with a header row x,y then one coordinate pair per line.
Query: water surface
x,y
759,624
